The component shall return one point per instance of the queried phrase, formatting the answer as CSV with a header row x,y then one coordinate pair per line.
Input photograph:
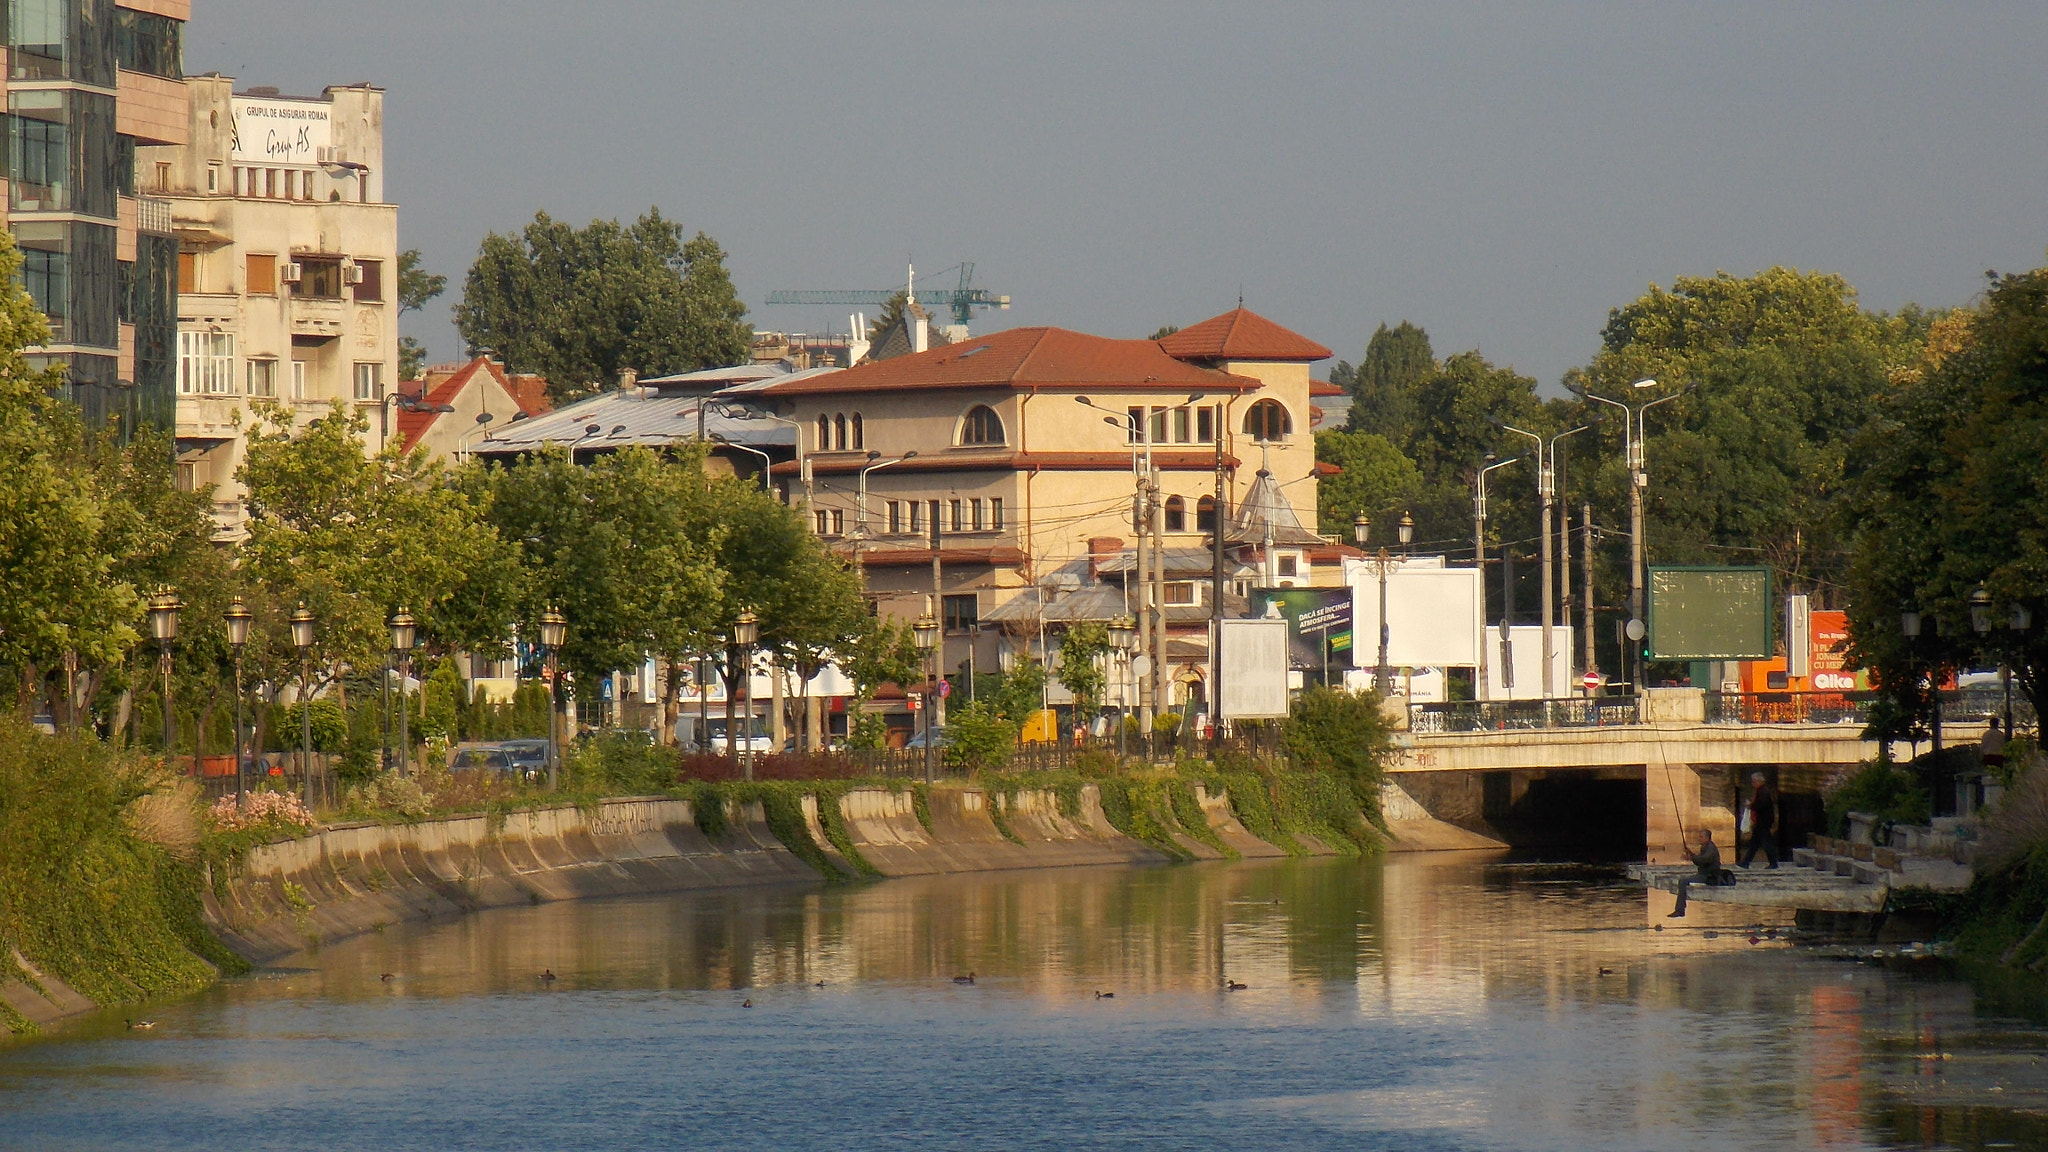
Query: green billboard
x,y
1710,614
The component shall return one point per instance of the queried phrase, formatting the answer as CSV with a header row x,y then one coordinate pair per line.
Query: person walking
x,y
1757,820
1708,861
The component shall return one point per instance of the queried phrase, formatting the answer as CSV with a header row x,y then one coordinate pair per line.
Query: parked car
x,y
474,756
529,757
938,739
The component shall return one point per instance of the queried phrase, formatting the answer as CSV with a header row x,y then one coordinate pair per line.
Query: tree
x,y
878,653
1163,331
579,305
1376,479
1947,493
1080,671
1384,385
416,286
1331,730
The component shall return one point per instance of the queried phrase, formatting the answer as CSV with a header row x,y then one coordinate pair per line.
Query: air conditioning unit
x,y
292,273
352,274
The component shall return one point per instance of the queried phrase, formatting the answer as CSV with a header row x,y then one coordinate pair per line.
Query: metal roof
x,y
626,417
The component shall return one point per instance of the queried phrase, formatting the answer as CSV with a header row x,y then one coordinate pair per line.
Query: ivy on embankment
x,y
782,807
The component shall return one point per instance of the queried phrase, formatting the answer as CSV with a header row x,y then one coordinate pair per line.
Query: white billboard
x,y
276,133
1254,669
1525,647
1432,613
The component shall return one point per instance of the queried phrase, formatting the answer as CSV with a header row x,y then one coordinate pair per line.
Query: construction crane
x,y
962,300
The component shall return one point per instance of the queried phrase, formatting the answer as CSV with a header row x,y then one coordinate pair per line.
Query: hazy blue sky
x,y
1501,175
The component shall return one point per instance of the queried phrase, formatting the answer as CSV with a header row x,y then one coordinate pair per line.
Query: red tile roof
x,y
529,393
1024,358
1324,388
1241,334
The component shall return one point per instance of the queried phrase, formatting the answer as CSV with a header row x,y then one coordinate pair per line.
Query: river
x,y
1425,1002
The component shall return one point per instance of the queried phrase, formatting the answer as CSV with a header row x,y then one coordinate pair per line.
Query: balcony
x,y
317,316
153,216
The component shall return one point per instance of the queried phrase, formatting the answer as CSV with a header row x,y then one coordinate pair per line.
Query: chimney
x,y
1101,548
920,329
628,378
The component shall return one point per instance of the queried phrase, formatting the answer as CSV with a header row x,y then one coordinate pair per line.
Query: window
x,y
1205,514
839,521
148,43
1176,514
1288,566
1182,433
1180,592
1134,429
916,516
936,525
270,182
824,433
995,514
955,509
860,439
186,478
206,363
1205,425
262,276
299,381
370,381
976,510
839,432
895,517
1267,420
188,273
1158,430
63,152
163,176
212,172
962,612
981,426
262,377
824,522
71,272
370,281
319,278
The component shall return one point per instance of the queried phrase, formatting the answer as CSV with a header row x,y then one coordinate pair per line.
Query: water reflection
x,y
1426,1002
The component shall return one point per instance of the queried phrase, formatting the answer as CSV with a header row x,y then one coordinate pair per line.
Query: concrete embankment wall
x,y
885,829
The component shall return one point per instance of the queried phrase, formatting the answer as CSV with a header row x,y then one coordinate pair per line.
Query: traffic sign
x,y
1592,680
945,689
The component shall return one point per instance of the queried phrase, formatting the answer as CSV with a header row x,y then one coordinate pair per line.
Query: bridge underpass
x,y
1619,790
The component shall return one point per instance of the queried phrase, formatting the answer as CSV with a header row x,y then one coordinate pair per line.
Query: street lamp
x,y
1980,611
554,629
1492,462
1546,491
1123,633
1407,530
1381,566
766,462
1634,432
927,631
1911,625
163,624
403,628
745,631
875,462
238,617
302,638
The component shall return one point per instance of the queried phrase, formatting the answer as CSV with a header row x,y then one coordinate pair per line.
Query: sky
x,y
1502,175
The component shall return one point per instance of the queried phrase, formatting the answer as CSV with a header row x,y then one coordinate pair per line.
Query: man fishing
x,y
1708,861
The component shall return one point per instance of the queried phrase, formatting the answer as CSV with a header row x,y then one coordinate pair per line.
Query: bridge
x,y
1484,767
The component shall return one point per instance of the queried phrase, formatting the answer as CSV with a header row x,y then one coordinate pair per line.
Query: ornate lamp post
x,y
745,631
927,630
302,638
1382,566
554,628
404,630
238,617
1123,633
163,624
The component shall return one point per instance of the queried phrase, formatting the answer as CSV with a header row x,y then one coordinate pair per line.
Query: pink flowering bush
x,y
260,808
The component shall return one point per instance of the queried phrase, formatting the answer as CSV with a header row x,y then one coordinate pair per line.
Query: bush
x,y
330,727
1330,730
622,764
1881,788
978,739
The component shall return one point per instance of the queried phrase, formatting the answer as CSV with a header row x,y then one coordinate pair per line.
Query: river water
x,y
1439,1002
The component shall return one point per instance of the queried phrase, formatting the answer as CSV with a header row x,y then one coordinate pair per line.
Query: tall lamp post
x,y
403,629
238,617
1383,566
1633,434
163,624
745,631
1123,633
554,629
1980,620
302,638
1546,491
927,630
1910,625
1479,691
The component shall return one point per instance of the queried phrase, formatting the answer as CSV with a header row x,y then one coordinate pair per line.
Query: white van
x,y
697,734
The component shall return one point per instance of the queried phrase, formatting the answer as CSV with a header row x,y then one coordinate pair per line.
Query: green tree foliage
x,y
1385,385
578,305
878,652
1948,492
1080,671
1376,479
1345,733
416,286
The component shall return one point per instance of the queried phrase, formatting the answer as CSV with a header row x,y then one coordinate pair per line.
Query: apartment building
x,y
88,83
287,267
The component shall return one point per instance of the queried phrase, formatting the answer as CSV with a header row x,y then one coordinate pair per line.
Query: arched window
x,y
1268,420
839,432
1176,514
1205,514
860,439
824,433
982,426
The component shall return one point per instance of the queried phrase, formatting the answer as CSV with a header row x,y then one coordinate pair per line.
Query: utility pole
x,y
1137,577
1586,585
1216,594
1161,685
1479,687
1633,432
938,702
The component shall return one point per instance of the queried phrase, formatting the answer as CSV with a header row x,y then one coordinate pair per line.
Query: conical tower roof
x,y
1265,507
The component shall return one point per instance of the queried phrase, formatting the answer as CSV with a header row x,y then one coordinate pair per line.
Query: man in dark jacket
x,y
1708,861
1763,813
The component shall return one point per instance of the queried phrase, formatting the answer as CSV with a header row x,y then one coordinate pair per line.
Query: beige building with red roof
x,y
454,406
1020,443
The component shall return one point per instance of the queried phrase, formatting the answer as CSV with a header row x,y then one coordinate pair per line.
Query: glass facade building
x,y
98,263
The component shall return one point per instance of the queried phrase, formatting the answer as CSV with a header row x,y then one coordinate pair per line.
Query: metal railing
x,y
1973,705
1513,715
1789,707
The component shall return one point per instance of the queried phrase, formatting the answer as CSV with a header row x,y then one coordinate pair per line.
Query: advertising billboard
x,y
1318,628
1254,669
1710,613
278,132
1432,614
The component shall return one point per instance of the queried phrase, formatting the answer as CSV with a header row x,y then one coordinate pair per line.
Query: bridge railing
x,y
1512,715
1789,707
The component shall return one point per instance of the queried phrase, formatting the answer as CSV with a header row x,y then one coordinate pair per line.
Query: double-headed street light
x,y
927,632
1546,491
238,617
746,630
1634,432
1492,462
163,624
554,629
403,632
302,638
